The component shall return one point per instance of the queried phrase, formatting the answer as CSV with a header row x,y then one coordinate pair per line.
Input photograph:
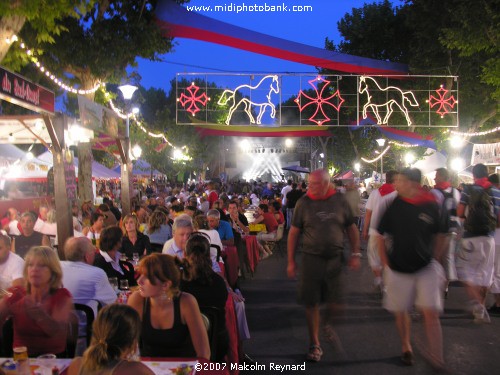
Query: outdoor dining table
x,y
161,366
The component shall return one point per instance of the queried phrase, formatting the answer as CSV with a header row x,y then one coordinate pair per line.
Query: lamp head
x,y
127,91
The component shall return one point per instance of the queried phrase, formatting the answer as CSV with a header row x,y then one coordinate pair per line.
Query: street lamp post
x,y
381,143
126,172
357,167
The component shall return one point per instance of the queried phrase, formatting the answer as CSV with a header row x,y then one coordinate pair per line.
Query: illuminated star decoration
x,y
319,100
193,99
445,105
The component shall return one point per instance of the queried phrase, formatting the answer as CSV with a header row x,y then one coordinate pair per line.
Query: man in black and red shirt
x,y
416,230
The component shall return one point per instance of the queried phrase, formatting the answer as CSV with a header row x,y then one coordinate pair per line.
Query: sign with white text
x,y
18,90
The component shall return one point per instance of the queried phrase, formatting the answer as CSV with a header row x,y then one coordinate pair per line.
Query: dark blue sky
x,y
305,27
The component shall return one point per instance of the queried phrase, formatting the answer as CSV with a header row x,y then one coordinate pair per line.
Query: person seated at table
x,y
133,240
108,258
88,284
172,325
209,289
13,227
275,209
87,210
41,311
182,228
109,217
158,231
11,265
43,210
223,227
268,219
27,237
238,220
93,232
201,225
114,345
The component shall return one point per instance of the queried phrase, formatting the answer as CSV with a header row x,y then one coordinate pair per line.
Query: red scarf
x,y
483,182
385,189
420,198
328,194
442,185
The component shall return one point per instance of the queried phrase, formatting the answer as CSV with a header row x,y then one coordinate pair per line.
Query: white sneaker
x,y
480,314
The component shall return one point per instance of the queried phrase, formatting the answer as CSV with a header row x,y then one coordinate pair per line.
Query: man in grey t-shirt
x,y
321,217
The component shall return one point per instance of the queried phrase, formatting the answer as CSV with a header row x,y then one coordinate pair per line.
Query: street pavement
x,y
367,332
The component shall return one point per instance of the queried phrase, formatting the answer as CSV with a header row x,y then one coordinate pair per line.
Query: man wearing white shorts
x,y
377,203
412,274
476,255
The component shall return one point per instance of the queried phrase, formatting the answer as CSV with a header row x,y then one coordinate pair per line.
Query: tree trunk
x,y
85,172
9,26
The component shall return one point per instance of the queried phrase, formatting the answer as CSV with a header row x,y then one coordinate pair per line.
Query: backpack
x,y
448,211
480,219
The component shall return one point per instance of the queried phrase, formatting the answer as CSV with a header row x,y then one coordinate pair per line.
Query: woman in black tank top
x,y
168,316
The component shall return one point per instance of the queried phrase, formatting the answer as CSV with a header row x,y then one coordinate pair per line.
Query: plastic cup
x,y
46,362
20,353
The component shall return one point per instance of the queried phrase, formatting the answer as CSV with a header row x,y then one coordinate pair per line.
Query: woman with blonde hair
x,y
114,346
133,240
41,311
172,325
158,231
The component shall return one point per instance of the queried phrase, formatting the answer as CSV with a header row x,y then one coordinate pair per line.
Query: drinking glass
x,y
124,285
135,258
46,362
20,353
123,257
114,283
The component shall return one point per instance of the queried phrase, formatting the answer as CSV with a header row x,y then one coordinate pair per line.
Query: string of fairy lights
x,y
132,115
72,89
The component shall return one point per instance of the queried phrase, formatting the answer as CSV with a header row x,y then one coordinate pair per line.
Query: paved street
x,y
368,334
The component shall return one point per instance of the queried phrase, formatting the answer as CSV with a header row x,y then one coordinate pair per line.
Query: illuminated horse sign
x,y
229,96
393,96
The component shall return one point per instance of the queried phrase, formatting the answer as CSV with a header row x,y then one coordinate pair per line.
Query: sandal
x,y
314,354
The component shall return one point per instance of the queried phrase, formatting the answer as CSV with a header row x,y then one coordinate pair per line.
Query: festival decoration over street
x,y
319,100
281,100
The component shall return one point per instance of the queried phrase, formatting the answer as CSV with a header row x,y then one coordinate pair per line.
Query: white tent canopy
x,y
98,170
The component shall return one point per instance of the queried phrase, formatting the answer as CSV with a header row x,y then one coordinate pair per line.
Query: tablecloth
x,y
230,255
252,251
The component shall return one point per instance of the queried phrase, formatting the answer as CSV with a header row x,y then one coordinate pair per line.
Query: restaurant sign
x,y
18,90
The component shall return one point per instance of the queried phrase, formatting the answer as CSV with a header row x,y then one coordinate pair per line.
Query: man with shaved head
x,y
321,217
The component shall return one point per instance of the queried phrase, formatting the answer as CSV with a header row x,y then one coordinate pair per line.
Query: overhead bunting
x,y
176,21
397,134
256,131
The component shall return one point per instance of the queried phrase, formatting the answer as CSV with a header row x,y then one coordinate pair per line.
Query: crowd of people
x,y
168,250
419,239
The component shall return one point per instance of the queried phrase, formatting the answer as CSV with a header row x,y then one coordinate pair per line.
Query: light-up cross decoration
x,y
319,100
193,99
445,105
397,98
